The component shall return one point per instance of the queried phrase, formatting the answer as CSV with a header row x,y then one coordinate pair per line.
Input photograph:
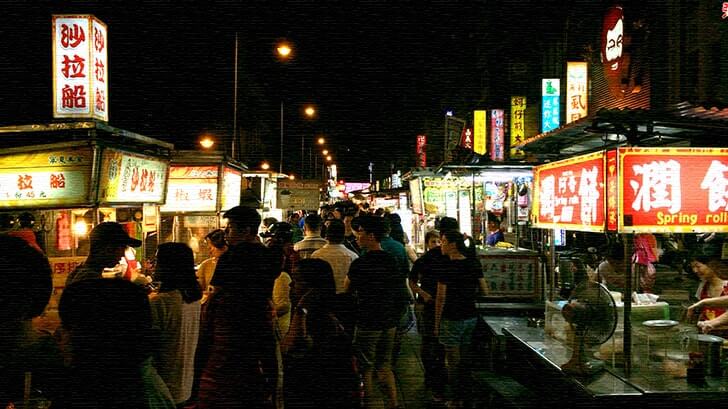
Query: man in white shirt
x,y
312,239
336,253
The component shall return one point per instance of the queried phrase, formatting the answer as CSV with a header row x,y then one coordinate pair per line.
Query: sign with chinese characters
x,y
453,132
192,189
479,132
550,104
421,151
518,124
232,182
130,178
80,67
60,178
297,194
724,10
466,139
439,195
673,190
512,276
570,194
416,194
497,135
576,91
612,190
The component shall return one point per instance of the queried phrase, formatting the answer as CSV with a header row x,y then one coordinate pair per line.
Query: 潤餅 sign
x,y
673,189
80,67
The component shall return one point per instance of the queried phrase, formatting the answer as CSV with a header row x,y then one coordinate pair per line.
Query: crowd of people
x,y
274,319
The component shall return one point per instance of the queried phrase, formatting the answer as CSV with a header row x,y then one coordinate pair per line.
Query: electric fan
x,y
592,314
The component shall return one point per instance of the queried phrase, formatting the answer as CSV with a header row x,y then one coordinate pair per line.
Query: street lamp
x,y
265,166
207,142
284,52
325,152
321,141
310,112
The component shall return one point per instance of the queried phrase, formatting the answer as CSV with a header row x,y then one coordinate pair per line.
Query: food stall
x,y
73,176
469,194
594,348
202,186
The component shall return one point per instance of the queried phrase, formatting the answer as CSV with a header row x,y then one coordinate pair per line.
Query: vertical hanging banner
x,y
576,91
479,132
466,139
518,124
497,137
421,151
80,67
550,104
612,190
453,131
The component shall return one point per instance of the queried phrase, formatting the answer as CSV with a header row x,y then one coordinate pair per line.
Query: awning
x,y
682,124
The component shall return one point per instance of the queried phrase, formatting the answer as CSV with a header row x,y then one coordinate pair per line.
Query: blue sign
x,y
550,108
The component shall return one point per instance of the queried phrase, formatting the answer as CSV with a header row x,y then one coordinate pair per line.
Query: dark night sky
x,y
378,71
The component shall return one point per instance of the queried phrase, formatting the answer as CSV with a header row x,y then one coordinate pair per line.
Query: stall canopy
x,y
682,124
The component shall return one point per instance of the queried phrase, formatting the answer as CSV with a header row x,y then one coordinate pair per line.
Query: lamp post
x,y
310,112
284,51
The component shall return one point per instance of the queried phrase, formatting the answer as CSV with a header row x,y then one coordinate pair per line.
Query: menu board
x,y
570,194
131,178
511,276
232,182
440,194
296,194
192,189
673,190
57,178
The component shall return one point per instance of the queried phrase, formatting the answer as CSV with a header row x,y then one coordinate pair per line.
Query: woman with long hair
x,y
176,312
455,315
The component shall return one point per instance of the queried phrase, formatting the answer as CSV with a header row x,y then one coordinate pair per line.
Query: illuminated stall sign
x,y
576,91
497,135
550,104
570,194
59,178
673,190
80,67
518,124
421,151
232,182
416,194
479,129
440,194
298,194
612,190
192,189
131,178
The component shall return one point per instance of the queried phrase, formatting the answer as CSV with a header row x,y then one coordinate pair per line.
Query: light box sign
x,y
60,178
576,91
192,189
497,135
416,193
131,178
479,132
421,150
232,188
570,194
550,104
80,67
673,190
518,124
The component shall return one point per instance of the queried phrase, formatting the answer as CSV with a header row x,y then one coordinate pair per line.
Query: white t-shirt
x,y
179,325
340,258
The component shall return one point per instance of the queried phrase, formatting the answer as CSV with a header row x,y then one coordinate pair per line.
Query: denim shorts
x,y
375,347
457,333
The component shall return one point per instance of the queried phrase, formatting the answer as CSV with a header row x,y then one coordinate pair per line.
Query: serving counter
x,y
535,360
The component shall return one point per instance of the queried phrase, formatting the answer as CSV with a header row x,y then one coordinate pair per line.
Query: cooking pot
x,y
711,347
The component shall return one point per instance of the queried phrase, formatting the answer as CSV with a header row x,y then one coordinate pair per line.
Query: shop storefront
x,y
56,192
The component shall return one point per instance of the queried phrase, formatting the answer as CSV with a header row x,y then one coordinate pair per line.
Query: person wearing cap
x,y
108,242
236,354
